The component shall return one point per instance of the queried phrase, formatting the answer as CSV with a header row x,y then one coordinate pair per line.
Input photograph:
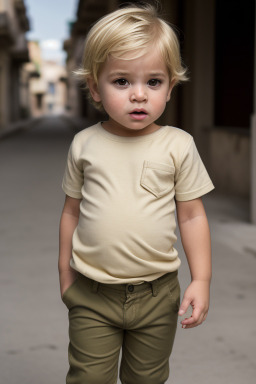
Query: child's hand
x,y
198,296
67,277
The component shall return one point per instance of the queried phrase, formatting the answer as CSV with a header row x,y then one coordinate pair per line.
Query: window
x,y
51,88
39,100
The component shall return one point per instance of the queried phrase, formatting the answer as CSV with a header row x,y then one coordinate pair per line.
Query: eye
x,y
154,82
121,82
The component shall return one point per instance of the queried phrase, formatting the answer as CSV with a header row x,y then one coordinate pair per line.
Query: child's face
x,y
133,93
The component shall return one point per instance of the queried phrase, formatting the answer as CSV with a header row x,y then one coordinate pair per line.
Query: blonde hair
x,y
132,29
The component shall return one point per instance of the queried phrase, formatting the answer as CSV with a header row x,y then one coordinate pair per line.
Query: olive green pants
x,y
140,319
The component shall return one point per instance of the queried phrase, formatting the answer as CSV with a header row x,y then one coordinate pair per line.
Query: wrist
x,y
201,280
67,272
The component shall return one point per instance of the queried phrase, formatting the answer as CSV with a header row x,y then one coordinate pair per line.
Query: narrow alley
x,y
33,320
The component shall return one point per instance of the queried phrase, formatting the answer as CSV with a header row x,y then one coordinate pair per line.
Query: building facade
x,y
47,84
88,12
13,54
217,106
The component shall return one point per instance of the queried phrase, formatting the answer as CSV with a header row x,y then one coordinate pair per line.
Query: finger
x,y
184,306
195,319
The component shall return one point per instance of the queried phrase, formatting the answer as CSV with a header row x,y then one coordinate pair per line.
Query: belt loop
x,y
154,286
95,286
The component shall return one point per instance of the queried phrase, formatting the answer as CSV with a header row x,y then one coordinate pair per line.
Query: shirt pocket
x,y
157,178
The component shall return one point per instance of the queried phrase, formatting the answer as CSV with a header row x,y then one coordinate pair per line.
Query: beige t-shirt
x,y
126,229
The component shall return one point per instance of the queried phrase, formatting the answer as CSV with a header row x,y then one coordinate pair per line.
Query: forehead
x,y
150,62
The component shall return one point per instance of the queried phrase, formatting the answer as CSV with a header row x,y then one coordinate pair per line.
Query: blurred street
x,y
33,320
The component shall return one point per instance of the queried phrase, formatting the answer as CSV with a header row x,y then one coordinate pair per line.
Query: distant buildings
x,y
29,86
13,54
47,84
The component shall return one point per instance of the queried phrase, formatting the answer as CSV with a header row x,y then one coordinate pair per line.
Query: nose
x,y
138,93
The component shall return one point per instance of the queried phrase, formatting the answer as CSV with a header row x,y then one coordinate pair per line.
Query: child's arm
x,y
68,223
195,237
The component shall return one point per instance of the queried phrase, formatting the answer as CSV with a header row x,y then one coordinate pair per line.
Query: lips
x,y
138,114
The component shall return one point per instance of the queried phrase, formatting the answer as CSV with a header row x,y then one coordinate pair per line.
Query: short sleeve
x,y
192,179
73,178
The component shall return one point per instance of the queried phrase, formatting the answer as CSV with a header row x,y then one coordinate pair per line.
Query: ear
x,y
172,84
93,87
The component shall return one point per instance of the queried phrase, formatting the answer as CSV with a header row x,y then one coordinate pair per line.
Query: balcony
x,y
7,33
20,10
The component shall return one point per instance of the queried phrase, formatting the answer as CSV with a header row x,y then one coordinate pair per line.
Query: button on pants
x,y
140,320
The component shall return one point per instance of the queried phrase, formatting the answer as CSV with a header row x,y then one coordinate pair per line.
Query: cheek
x,y
160,102
111,100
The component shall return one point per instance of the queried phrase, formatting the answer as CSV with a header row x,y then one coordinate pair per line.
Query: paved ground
x,y
33,320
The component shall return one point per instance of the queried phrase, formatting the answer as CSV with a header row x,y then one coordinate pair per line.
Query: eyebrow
x,y
125,73
157,74
119,73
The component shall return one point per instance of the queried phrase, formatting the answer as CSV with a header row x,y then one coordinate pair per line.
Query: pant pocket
x,y
68,293
174,293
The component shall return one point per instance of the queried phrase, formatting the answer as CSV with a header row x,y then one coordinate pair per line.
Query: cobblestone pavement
x,y
33,320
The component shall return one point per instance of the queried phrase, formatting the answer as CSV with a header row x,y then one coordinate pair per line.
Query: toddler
x,y
123,181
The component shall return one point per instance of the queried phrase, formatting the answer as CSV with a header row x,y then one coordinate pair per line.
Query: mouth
x,y
138,114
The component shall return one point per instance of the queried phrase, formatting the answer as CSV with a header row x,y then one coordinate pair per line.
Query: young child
x,y
123,180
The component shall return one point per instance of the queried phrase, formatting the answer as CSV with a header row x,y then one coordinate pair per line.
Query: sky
x,y
49,24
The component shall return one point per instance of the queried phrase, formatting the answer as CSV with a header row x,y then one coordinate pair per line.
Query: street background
x,y
33,320
41,108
